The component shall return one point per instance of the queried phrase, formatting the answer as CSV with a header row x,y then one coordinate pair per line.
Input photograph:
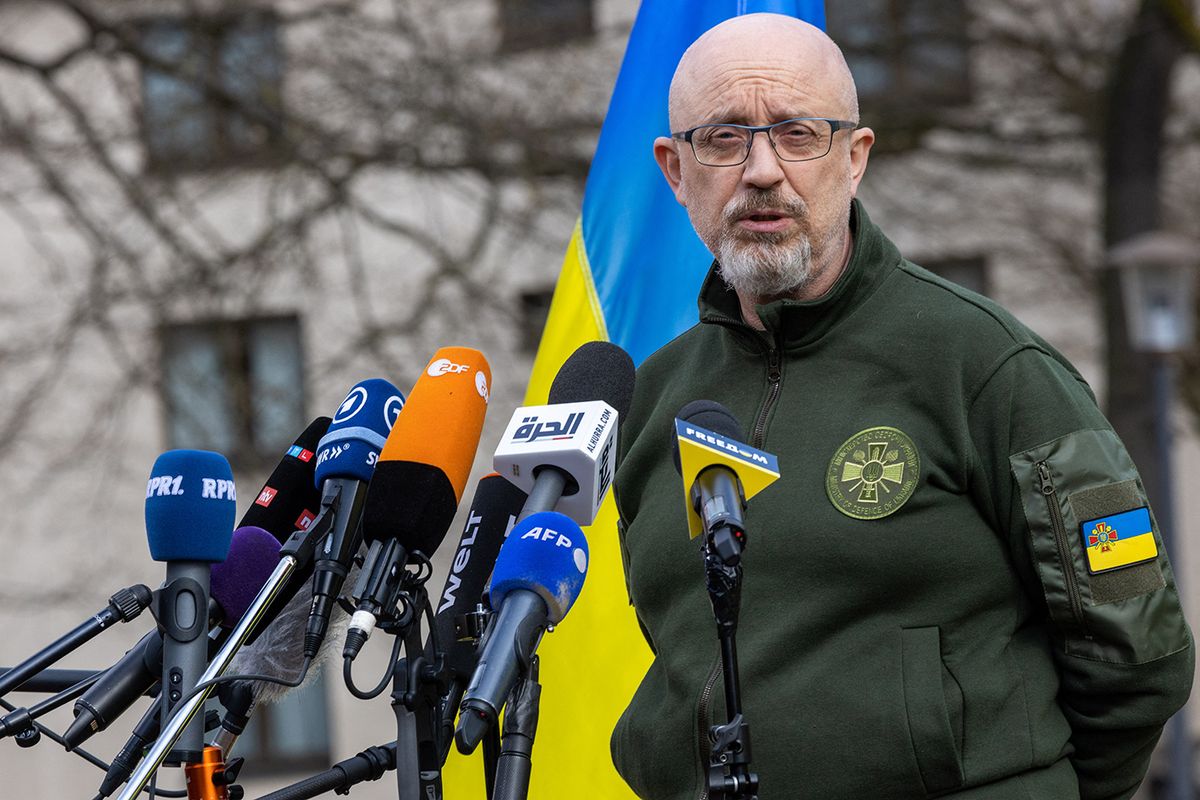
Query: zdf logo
x,y
444,366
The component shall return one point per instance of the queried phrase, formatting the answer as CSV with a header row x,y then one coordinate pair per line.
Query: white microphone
x,y
563,455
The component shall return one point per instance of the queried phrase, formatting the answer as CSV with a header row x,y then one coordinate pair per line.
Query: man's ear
x,y
860,148
667,155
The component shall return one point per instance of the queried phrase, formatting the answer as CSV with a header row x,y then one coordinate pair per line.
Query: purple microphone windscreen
x,y
190,505
596,371
707,414
494,511
236,581
289,500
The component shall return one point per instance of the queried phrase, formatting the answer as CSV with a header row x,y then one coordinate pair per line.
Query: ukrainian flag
x,y
631,276
1118,540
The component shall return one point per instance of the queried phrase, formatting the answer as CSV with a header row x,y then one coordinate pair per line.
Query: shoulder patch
x,y
1119,540
873,473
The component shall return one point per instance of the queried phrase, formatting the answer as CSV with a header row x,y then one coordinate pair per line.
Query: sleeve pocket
x,y
1119,606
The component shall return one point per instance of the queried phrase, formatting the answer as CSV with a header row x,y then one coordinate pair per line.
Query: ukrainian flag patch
x,y
1119,540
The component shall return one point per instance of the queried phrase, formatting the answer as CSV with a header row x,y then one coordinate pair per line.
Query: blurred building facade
x,y
216,217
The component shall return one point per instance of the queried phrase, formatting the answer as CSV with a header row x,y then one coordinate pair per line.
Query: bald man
x,y
956,589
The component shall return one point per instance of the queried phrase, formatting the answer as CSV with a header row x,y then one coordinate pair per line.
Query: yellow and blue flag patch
x,y
1119,540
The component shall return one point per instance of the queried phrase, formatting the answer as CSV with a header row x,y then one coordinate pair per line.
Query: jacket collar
x,y
795,323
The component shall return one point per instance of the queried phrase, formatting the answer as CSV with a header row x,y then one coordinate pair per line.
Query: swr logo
x,y
444,366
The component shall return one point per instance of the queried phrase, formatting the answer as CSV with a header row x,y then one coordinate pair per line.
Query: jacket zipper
x,y
703,723
1046,486
774,384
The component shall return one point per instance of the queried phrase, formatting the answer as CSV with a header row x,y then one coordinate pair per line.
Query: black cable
x,y
348,678
290,683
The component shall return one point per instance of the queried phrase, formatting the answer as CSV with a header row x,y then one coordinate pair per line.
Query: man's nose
x,y
762,168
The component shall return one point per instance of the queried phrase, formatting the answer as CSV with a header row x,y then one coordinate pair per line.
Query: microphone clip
x,y
167,599
729,774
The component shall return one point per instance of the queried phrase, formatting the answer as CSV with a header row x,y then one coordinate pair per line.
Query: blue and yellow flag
x,y
631,276
1119,540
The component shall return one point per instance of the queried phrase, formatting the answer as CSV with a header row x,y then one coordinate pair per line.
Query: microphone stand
x,y
417,689
369,765
469,626
520,725
55,680
13,723
296,553
729,774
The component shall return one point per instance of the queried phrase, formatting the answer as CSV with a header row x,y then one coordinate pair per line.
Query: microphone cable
x,y
290,683
414,606
348,678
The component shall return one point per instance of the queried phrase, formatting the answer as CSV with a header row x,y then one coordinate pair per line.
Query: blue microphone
x,y
190,507
538,575
346,457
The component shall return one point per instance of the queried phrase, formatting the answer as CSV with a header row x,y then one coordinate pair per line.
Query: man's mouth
x,y
768,221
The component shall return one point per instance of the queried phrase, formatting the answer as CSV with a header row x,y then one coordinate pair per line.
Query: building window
x,y
234,386
970,273
288,735
211,90
909,57
535,310
528,24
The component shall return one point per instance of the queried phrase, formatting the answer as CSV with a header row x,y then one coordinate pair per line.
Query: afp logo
x,y
444,366
544,534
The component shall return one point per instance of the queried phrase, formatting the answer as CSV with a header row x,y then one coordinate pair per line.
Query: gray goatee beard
x,y
763,269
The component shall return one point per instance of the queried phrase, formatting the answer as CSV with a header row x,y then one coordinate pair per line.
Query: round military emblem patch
x,y
873,473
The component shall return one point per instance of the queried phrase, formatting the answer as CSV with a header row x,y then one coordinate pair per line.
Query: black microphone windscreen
x,y
493,511
596,371
289,500
707,414
411,502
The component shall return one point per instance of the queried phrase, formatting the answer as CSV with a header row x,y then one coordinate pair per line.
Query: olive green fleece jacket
x,y
940,636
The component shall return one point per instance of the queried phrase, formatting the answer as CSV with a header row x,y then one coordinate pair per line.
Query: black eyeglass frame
x,y
835,125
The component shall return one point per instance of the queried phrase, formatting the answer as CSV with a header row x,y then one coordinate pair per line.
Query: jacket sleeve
x,y
1062,487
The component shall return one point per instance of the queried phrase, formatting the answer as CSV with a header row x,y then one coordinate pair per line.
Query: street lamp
x,y
1158,278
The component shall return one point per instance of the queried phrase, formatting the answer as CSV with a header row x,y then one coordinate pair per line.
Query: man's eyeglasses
x,y
798,139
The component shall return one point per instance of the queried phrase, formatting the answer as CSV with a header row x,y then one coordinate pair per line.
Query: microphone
x,y
493,513
190,507
123,606
563,454
289,500
539,572
719,473
346,457
419,480
253,553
